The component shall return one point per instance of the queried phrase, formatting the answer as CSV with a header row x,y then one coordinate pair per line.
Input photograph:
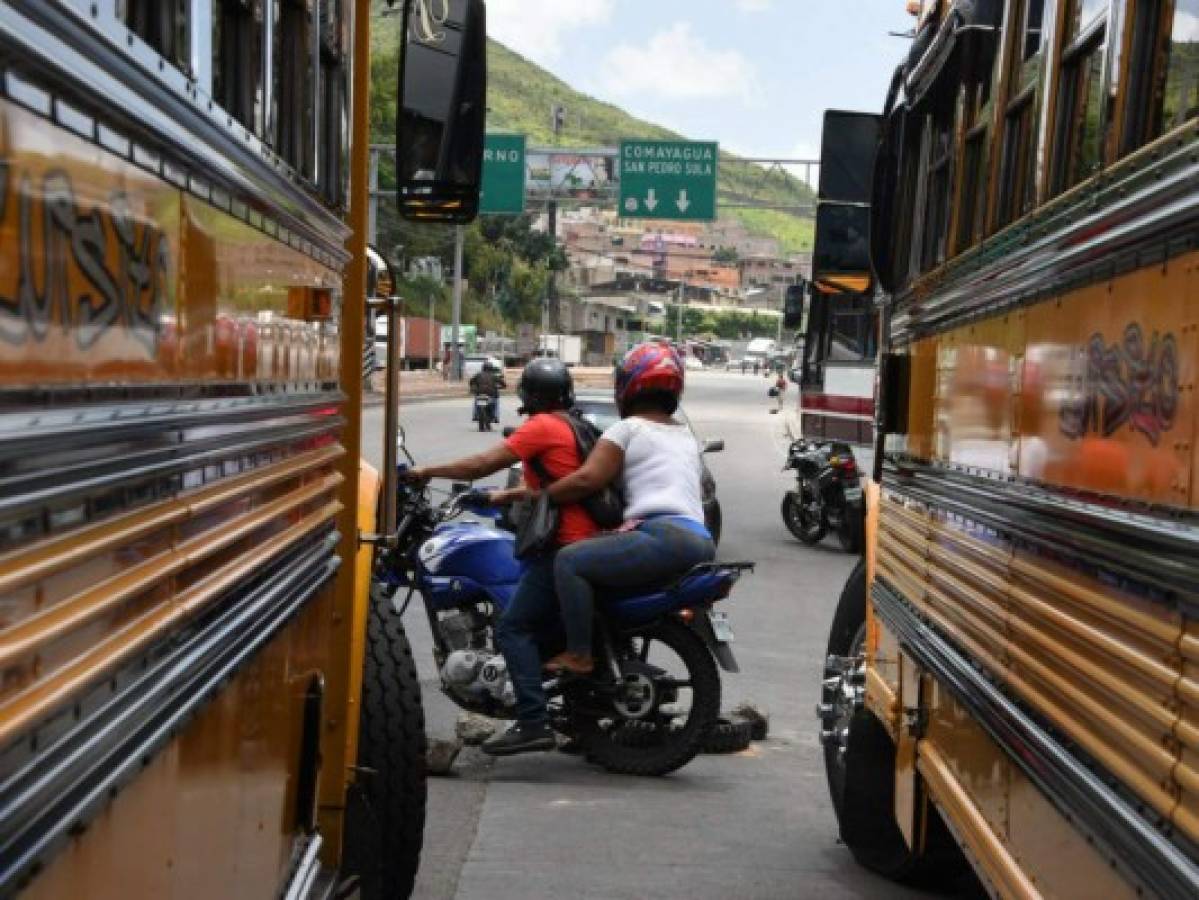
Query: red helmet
x,y
648,367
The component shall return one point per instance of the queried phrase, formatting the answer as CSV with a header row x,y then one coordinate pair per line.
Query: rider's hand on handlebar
x,y
414,475
510,496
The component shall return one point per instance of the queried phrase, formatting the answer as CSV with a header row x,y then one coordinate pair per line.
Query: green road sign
x,y
503,190
668,180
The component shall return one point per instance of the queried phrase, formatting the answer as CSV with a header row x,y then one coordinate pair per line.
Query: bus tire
x,y
862,780
385,818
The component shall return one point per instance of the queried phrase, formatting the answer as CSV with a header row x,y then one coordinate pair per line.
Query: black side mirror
x,y
442,110
793,305
508,432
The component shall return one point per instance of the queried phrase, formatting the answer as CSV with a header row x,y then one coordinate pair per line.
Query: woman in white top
x,y
656,462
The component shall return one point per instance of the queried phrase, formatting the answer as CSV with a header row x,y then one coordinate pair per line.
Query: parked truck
x,y
566,347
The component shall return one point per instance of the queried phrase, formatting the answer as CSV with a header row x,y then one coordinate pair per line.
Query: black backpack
x,y
605,506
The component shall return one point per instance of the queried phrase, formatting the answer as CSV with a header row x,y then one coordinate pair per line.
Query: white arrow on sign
x,y
651,200
683,202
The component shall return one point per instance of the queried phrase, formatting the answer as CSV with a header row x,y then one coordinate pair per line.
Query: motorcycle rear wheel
x,y
799,524
660,750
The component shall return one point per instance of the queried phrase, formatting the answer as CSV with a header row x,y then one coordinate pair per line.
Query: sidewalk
x,y
424,386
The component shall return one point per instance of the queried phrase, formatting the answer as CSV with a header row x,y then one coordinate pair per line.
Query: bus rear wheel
x,y
385,816
859,759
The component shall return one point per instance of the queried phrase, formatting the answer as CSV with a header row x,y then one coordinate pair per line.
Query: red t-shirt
x,y
547,438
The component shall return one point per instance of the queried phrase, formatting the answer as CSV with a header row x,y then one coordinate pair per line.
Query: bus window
x,y
853,329
236,59
1078,141
1017,172
294,86
160,23
1163,70
334,43
1180,100
976,110
936,210
1034,28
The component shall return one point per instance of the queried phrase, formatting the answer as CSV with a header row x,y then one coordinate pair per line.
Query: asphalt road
x,y
752,825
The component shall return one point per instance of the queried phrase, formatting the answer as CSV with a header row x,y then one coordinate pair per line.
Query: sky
x,y
755,75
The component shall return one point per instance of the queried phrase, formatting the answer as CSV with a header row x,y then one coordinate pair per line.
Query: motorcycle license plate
x,y
853,494
721,627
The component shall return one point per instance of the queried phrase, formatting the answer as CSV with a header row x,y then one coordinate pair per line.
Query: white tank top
x,y
662,473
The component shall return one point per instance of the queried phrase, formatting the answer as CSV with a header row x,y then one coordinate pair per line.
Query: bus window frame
x,y
1016,170
251,15
1147,48
1075,50
940,177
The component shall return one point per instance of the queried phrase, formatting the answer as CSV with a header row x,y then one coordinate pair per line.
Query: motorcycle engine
x,y
472,670
477,674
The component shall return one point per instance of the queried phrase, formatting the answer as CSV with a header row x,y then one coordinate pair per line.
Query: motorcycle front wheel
x,y
807,528
663,708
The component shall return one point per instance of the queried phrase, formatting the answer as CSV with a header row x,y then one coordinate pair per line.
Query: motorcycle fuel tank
x,y
468,550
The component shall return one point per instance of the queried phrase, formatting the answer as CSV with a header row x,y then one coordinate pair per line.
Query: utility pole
x,y
678,334
372,209
432,339
557,123
455,328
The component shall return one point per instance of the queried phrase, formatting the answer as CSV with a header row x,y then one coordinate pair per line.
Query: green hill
x,y
521,94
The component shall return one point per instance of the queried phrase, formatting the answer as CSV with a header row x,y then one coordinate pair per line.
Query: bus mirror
x,y
442,107
891,403
793,306
380,279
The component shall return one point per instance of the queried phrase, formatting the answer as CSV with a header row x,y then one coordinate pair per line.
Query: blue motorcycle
x,y
655,692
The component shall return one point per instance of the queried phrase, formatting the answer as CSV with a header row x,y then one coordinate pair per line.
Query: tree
x,y
726,255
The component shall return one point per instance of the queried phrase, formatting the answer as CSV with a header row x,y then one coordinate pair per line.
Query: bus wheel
x,y
385,816
859,759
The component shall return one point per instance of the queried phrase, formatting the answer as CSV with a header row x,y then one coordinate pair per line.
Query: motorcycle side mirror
x,y
714,446
508,432
459,487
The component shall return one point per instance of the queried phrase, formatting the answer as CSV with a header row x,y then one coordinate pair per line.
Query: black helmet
x,y
489,367
545,385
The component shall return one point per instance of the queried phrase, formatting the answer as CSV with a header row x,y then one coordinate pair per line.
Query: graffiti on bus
x,y
123,261
1132,381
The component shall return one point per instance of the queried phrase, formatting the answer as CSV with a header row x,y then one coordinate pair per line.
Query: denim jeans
x,y
531,623
655,553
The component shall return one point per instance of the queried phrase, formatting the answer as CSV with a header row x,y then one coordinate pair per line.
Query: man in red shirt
x,y
533,616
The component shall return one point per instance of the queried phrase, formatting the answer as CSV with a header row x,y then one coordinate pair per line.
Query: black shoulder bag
x,y
605,506
536,521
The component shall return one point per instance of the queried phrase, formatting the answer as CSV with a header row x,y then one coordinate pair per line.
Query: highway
x,y
752,825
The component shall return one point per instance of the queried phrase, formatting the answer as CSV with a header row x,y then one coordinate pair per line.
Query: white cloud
x,y
1186,27
676,65
754,5
535,28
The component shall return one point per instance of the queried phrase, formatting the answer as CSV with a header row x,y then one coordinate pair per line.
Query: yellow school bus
x,y
199,697
1013,672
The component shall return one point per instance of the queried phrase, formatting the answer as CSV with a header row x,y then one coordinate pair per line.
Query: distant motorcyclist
x,y
487,382
532,618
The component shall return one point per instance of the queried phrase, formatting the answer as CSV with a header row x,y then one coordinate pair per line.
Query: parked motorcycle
x,y
828,494
482,411
655,693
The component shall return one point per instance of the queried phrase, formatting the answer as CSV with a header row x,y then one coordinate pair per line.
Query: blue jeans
x,y
657,552
531,621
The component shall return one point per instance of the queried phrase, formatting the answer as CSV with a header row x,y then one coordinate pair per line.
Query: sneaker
x,y
521,737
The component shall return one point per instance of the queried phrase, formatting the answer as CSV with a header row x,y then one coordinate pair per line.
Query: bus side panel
x,y
1055,857
1093,390
223,790
127,300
